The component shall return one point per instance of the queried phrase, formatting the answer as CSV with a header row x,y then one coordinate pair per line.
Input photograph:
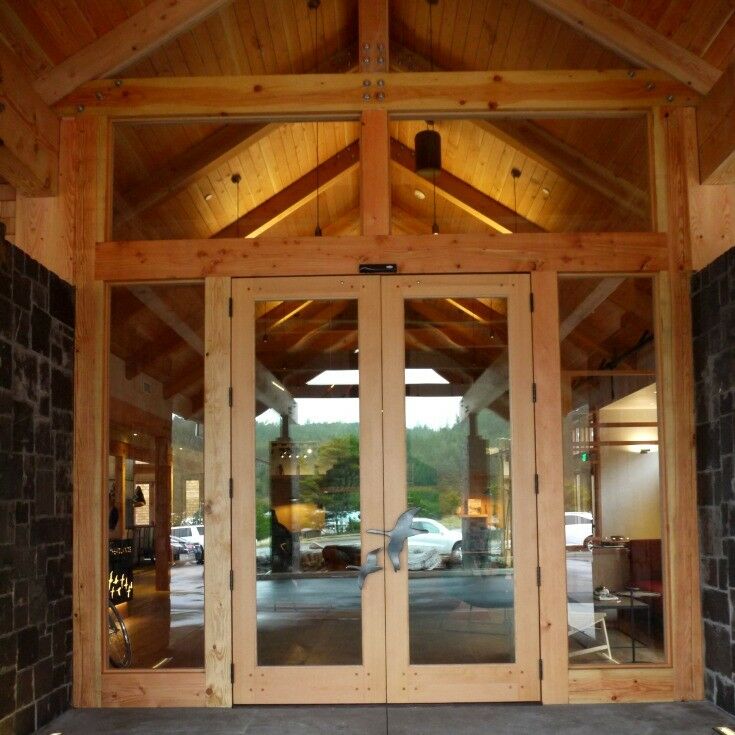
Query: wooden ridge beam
x,y
294,196
488,210
151,27
472,253
633,40
29,133
300,96
552,153
716,132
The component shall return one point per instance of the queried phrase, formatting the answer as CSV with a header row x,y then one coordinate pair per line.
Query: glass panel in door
x,y
458,473
308,484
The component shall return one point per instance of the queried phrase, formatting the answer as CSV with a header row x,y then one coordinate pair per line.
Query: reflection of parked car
x,y
447,542
193,537
578,528
178,547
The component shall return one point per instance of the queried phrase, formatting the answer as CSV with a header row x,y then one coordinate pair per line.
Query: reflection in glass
x,y
615,580
461,590
156,471
307,483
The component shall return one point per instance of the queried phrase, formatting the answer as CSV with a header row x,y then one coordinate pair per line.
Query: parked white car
x,y
189,534
447,542
577,527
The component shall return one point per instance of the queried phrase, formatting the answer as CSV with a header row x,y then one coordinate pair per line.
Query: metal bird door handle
x,y
398,534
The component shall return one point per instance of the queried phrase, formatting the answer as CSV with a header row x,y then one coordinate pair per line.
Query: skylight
x,y
414,376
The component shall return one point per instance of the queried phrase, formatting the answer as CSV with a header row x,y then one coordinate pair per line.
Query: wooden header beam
x,y
299,96
473,253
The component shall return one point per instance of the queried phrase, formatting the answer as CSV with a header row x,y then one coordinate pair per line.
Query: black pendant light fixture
x,y
428,143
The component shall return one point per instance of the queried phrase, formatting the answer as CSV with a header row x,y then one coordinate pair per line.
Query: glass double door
x,y
384,516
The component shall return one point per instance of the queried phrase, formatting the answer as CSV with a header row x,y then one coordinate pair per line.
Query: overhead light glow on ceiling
x,y
414,376
419,194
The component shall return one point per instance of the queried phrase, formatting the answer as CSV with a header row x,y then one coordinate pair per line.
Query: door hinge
x,y
530,300
538,576
535,484
232,488
229,396
232,673
533,391
229,307
541,669
232,580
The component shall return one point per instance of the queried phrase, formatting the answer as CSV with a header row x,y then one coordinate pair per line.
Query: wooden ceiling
x,y
176,180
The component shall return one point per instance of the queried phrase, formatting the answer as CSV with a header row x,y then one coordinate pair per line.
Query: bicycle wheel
x,y
118,641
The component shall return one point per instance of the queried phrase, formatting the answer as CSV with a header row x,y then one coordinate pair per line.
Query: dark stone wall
x,y
36,392
713,314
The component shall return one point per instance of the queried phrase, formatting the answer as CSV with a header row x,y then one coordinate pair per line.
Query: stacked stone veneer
x,y
713,312
36,391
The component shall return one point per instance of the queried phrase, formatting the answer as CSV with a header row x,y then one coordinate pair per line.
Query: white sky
x,y
434,412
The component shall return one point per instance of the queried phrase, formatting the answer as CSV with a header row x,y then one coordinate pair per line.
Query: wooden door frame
x,y
304,684
459,682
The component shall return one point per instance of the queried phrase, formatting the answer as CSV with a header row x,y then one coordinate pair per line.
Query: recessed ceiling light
x,y
545,191
419,194
208,197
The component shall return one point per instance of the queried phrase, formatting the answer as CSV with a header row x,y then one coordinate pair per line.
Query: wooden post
x,y
676,401
217,505
550,501
162,512
118,500
375,173
84,182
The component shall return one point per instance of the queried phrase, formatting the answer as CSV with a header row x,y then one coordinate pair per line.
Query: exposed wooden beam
x,y
633,40
294,196
491,385
594,299
716,132
373,32
151,27
149,260
169,317
180,382
554,154
191,164
221,146
272,393
300,96
29,133
467,198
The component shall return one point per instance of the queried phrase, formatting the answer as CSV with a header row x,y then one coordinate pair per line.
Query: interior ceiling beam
x,y
716,132
585,252
488,210
169,317
141,34
294,196
491,385
633,40
554,154
194,373
299,96
208,154
589,303
29,131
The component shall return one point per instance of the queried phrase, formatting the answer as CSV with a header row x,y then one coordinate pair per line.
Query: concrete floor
x,y
677,718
